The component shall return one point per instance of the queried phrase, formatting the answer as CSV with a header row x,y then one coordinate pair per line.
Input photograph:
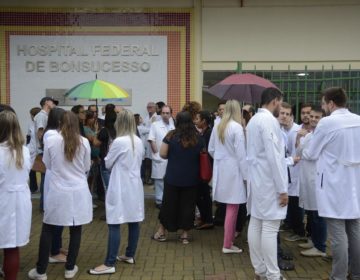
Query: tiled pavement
x,y
201,259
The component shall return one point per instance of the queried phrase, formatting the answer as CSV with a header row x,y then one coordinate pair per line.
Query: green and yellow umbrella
x,y
96,89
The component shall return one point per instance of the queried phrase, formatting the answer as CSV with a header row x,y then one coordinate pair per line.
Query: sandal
x,y
184,240
159,237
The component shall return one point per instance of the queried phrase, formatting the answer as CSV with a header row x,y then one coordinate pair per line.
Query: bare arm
x,y
164,150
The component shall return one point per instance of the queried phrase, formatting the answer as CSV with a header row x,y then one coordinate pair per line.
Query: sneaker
x,y
107,270
34,275
71,273
295,237
232,250
126,259
259,277
313,252
308,245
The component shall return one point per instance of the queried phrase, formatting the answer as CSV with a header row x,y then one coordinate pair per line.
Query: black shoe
x,y
158,205
286,256
285,265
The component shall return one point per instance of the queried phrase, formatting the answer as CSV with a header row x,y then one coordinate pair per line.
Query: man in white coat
x,y
335,147
316,246
149,119
157,133
267,180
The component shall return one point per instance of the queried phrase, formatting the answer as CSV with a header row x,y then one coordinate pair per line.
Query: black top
x,y
183,163
105,139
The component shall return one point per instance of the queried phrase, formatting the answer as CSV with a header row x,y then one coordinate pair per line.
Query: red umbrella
x,y
242,87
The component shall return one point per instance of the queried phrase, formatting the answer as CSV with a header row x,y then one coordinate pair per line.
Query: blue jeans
x,y
318,230
114,242
105,175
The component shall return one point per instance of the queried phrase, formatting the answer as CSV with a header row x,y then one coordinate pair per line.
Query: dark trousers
x,y
11,263
178,207
42,191
204,203
295,216
147,169
46,237
318,230
56,242
33,182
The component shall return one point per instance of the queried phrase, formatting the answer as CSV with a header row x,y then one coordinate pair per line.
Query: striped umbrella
x,y
96,89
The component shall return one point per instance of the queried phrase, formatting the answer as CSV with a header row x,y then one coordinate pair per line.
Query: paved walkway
x,y
201,259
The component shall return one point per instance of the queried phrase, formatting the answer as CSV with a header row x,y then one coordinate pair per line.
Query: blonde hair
x,y
10,133
70,132
125,125
232,112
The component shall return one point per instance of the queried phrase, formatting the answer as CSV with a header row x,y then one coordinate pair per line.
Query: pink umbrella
x,y
242,87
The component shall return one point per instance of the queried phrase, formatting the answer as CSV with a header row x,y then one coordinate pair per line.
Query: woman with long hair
x,y
227,147
181,147
104,138
125,195
68,199
57,253
15,198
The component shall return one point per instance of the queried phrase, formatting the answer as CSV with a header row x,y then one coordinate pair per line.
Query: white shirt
x,y
68,201
335,146
125,194
157,133
267,174
230,168
15,200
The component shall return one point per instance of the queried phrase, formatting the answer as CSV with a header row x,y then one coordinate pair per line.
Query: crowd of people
x,y
266,170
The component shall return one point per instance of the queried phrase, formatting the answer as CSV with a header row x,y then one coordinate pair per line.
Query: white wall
x,y
327,33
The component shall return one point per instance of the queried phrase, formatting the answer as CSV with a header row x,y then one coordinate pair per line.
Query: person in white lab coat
x,y
295,214
15,198
125,195
267,184
149,119
316,246
335,147
57,253
227,147
158,131
68,201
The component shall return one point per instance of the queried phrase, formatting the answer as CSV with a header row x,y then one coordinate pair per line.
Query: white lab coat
x,y
307,177
68,201
32,144
125,194
335,145
144,134
267,173
148,121
230,168
15,200
293,188
157,133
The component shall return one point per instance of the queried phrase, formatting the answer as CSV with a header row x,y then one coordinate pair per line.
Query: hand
x,y
283,199
296,159
302,132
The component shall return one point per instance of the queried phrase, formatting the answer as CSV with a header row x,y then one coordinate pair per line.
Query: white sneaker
x,y
232,250
71,273
313,252
34,275
308,245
